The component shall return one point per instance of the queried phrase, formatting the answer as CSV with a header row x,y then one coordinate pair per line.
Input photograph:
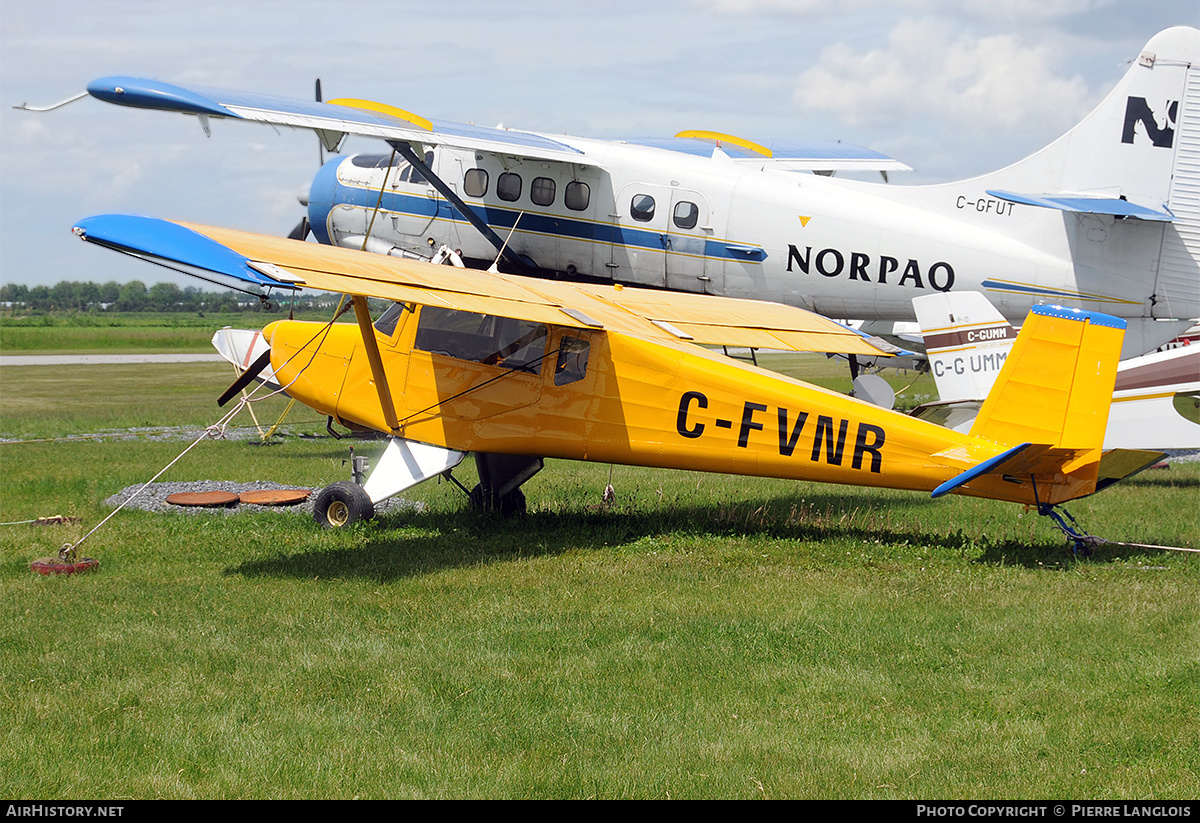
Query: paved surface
x,y
103,359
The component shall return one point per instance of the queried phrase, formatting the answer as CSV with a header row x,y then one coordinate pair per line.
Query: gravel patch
x,y
154,498
1183,456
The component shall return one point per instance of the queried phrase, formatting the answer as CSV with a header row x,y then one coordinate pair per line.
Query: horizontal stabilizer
x,y
404,464
1015,465
1039,461
1083,204
1118,464
994,465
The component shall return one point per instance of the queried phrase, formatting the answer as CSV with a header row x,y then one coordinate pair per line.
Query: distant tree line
x,y
136,296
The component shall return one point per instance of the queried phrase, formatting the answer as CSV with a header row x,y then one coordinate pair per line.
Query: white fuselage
x,y
842,248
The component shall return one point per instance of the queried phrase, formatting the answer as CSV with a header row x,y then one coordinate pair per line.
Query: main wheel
x,y
341,504
510,505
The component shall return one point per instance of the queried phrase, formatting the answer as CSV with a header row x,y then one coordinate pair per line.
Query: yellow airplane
x,y
516,370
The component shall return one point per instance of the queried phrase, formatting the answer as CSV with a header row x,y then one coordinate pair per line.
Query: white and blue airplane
x,y
1106,218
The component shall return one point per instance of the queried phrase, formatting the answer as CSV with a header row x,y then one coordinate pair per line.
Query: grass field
x,y
708,636
142,332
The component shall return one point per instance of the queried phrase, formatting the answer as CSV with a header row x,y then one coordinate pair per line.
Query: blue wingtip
x,y
172,245
154,94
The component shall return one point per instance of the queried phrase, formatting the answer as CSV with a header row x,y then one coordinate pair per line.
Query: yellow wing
x,y
277,262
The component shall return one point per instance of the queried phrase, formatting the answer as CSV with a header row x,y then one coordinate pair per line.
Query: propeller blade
x,y
246,377
301,231
320,148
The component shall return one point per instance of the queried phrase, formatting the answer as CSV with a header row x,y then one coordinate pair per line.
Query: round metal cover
x,y
207,499
53,565
274,497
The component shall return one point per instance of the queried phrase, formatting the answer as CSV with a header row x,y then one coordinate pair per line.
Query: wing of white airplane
x,y
335,119
812,156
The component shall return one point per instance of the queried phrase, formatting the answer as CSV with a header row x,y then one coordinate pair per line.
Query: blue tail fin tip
x,y
1095,317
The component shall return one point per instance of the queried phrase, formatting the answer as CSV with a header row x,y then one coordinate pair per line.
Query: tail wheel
x,y
342,504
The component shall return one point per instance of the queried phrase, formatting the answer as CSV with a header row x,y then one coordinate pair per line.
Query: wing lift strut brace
x,y
520,261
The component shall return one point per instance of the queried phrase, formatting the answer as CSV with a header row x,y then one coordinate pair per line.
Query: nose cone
x,y
320,199
311,360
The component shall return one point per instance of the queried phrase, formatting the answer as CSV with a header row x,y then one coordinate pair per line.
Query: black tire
x,y
342,504
510,505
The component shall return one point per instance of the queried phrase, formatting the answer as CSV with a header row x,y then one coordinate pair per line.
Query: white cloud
x,y
926,72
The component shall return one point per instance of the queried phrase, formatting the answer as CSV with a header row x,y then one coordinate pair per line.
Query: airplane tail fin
x,y
1121,158
1056,385
1050,406
966,340
1132,164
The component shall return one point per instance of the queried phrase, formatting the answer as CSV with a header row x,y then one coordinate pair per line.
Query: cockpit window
x,y
371,161
417,178
387,322
483,338
572,360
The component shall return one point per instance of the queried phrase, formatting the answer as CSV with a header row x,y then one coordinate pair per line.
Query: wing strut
x,y
363,315
418,162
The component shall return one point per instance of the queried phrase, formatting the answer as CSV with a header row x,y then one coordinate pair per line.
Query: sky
x,y
953,88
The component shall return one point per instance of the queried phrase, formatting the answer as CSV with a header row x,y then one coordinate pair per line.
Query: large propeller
x,y
304,228
301,231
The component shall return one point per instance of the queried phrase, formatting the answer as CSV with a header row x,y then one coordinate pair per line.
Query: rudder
x,y
1057,384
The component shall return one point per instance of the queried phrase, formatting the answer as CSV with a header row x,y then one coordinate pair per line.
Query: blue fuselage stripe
x,y
502,220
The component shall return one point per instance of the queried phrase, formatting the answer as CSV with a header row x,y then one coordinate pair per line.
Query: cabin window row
x,y
542,191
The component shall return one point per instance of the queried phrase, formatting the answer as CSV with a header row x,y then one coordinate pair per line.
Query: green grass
x,y
127,332
708,636
53,401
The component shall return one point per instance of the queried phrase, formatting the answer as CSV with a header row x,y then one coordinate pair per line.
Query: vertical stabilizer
x,y
1057,384
967,341
1126,148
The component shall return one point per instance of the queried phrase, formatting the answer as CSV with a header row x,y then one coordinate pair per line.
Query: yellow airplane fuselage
x,y
657,403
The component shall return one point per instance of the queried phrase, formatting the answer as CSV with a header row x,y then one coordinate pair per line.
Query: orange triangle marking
x,y
804,220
